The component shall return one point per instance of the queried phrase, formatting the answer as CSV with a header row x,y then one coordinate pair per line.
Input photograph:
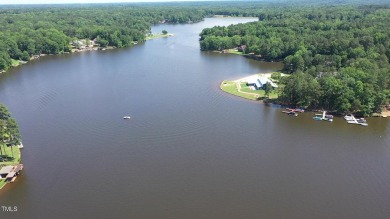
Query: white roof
x,y
264,80
260,81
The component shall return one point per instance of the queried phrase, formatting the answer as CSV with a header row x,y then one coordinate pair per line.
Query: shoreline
x,y
233,87
17,63
3,183
239,88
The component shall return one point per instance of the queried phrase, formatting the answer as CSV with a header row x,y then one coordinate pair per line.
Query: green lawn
x,y
157,35
231,88
7,158
15,62
235,51
2,183
261,93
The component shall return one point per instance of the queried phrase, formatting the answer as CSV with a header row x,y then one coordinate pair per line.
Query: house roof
x,y
10,175
260,81
264,80
6,170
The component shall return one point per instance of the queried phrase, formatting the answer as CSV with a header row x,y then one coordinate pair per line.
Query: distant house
x,y
260,82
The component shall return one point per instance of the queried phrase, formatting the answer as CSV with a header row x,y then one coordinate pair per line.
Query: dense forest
x,y
28,31
338,56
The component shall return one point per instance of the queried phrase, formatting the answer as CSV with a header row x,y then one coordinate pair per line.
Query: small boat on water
x,y
291,113
126,117
349,117
317,117
299,110
328,118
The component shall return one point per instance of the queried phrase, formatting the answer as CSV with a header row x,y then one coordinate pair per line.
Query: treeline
x,y
339,55
9,131
28,31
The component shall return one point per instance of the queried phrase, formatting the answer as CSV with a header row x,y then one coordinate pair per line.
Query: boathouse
x,y
10,172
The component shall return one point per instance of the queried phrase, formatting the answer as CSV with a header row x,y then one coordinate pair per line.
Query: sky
x,y
78,1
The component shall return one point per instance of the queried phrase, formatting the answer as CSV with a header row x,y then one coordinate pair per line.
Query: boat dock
x,y
323,117
293,111
9,173
358,121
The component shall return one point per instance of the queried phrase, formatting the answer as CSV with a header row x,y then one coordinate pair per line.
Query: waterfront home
x,y
259,82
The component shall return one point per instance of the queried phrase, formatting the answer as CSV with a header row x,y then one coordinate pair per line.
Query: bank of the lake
x,y
13,155
16,63
241,88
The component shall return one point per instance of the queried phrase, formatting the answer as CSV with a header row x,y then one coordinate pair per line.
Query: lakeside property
x,y
158,35
83,45
253,87
10,165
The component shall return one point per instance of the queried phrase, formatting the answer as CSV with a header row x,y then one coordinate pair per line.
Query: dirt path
x,y
239,90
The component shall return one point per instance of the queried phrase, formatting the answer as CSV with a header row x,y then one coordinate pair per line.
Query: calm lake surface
x,y
189,150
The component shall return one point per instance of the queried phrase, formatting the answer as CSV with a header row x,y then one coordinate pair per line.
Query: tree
x,y
268,89
164,32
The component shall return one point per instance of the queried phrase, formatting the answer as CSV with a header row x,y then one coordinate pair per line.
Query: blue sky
x,y
77,1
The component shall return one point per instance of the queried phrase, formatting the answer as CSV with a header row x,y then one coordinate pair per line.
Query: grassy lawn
x,y
157,35
15,62
261,93
231,88
235,51
8,158
2,183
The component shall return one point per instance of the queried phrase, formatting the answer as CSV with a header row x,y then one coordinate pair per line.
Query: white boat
x,y
349,117
126,117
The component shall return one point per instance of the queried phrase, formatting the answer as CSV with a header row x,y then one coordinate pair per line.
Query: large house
x,y
259,82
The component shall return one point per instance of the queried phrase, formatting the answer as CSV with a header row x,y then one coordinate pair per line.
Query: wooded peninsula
x,y
338,56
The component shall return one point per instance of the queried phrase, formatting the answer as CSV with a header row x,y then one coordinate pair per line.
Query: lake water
x,y
189,150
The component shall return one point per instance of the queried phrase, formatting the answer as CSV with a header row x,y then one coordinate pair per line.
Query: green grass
x,y
8,159
260,93
235,51
231,88
15,62
2,183
157,35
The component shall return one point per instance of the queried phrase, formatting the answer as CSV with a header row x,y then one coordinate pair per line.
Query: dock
x,y
352,120
9,173
293,111
323,117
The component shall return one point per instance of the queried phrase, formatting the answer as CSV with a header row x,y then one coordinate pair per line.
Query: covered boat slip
x,y
10,172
